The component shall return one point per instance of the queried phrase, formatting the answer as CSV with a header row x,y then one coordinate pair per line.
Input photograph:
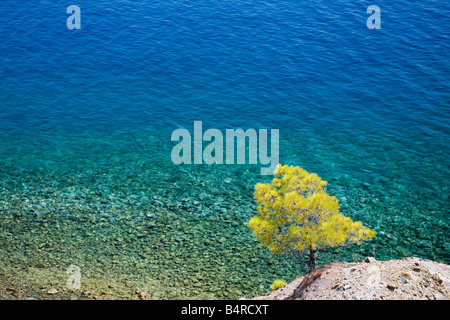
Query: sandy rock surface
x,y
407,279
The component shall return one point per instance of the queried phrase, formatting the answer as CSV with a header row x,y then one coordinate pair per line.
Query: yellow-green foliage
x,y
277,284
295,213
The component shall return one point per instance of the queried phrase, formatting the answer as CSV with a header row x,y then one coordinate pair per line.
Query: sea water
x,y
86,117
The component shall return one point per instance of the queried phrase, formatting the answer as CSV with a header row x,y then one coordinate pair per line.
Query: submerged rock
x,y
52,291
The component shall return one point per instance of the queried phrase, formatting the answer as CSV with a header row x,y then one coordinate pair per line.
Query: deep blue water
x,y
86,115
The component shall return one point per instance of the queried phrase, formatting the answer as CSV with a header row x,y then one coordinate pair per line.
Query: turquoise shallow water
x,y
86,118
121,211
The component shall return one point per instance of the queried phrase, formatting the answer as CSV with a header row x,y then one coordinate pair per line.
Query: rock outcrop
x,y
407,279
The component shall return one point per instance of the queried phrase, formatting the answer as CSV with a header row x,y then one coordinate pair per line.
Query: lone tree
x,y
295,214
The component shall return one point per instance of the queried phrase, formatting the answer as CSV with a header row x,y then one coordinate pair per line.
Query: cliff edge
x,y
407,279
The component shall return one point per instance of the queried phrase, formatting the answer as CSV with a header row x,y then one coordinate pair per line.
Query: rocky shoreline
x,y
407,279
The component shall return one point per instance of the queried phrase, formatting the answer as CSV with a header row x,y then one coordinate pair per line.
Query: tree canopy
x,y
295,213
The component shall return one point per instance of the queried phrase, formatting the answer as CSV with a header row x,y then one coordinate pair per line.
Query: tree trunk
x,y
312,259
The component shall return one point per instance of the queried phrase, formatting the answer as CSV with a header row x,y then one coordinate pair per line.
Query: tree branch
x,y
298,257
338,246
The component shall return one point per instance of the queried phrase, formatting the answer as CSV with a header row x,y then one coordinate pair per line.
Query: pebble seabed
x,y
139,227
